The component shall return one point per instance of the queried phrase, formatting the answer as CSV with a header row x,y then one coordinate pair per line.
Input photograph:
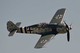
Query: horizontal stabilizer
x,y
12,33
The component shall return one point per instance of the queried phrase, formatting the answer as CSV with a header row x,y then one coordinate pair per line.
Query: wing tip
x,y
62,9
37,47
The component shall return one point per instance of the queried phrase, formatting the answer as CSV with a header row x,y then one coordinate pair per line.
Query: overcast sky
x,y
30,12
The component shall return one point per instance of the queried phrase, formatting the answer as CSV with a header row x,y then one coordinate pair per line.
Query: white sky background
x,y
30,12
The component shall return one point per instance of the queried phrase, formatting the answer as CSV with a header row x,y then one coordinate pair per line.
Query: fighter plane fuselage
x,y
43,29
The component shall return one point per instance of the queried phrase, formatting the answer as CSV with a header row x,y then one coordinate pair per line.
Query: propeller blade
x,y
68,36
66,24
68,33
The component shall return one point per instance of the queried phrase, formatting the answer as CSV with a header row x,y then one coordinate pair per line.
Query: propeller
x,y
68,33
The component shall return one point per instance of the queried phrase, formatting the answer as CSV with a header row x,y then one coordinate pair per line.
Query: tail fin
x,y
11,27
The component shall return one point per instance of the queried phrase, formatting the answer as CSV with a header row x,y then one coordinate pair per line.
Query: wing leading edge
x,y
57,18
43,40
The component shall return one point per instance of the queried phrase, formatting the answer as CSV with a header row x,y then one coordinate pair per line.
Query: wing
x,y
43,40
57,18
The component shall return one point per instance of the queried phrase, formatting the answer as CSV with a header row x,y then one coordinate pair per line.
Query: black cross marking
x,y
60,16
30,30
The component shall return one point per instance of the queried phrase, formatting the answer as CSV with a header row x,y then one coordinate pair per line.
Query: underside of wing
x,y
43,40
57,18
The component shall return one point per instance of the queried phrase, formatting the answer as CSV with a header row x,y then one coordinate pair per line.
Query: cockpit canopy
x,y
42,24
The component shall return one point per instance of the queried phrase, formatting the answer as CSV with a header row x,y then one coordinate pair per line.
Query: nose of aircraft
x,y
70,27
